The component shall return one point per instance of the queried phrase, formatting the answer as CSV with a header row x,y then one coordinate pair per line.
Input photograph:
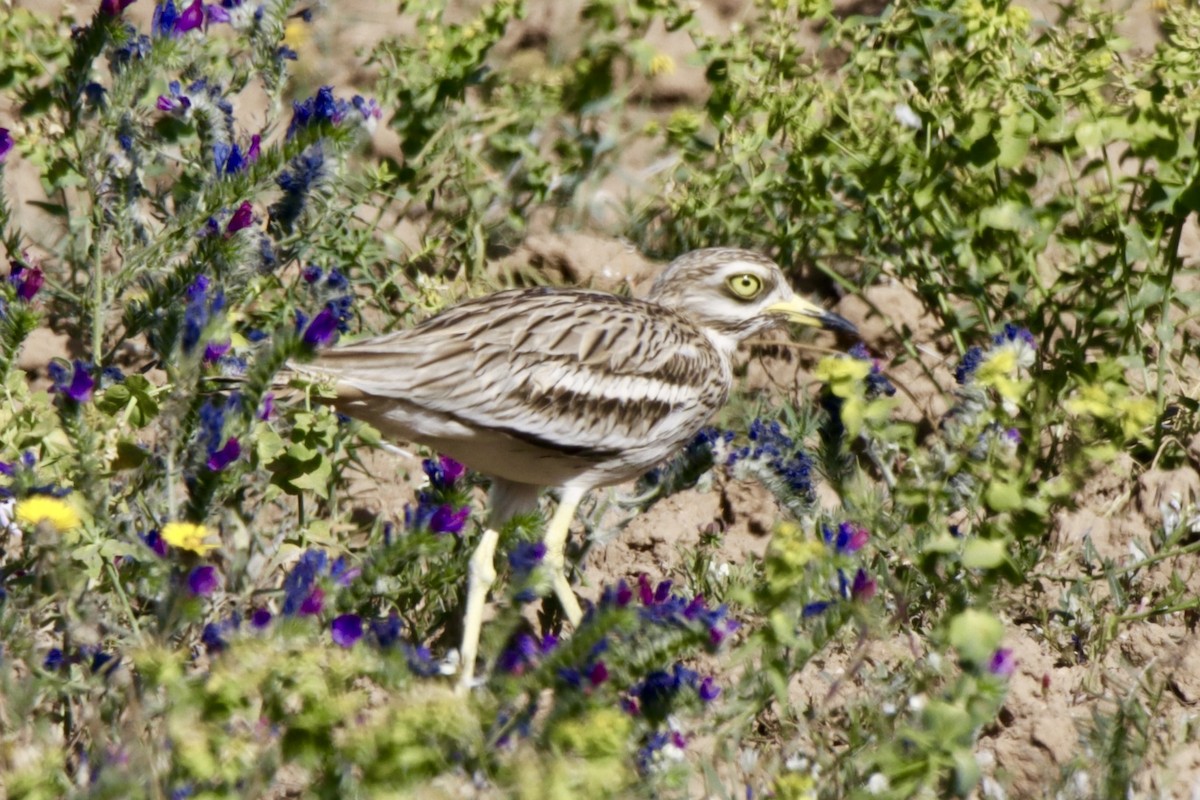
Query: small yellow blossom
x,y
661,64
297,34
41,508
1092,400
1137,414
187,536
999,370
842,374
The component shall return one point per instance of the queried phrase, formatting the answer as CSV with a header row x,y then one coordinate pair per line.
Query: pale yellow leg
x,y
481,576
556,543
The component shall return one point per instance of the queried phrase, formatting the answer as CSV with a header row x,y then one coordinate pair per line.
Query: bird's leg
x,y
556,543
481,576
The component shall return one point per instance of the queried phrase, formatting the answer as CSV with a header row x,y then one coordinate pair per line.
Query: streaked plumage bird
x,y
564,388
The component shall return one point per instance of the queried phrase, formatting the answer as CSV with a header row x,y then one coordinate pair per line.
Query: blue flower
x,y
136,47
526,556
878,384
260,618
657,692
297,182
54,660
848,539
300,582
213,635
966,368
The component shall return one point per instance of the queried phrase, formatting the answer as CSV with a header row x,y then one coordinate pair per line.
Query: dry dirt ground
x,y
1043,728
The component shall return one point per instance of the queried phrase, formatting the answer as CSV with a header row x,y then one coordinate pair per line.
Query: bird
x,y
567,388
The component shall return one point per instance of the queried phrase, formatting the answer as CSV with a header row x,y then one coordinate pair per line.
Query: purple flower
x,y
260,618
176,102
113,8
323,329
226,455
191,18
863,587
214,350
252,152
444,472
6,144
268,406
708,689
616,596
447,519
347,629
1002,663
203,581
313,274
523,651
76,385
242,218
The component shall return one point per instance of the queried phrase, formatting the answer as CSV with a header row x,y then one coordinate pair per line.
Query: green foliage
x,y
1030,183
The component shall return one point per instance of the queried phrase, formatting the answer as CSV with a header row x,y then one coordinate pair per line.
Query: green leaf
x,y
1001,496
984,553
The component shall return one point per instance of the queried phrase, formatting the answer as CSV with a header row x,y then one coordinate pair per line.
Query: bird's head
x,y
736,294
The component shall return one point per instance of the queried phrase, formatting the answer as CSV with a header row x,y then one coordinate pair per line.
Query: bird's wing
x,y
567,369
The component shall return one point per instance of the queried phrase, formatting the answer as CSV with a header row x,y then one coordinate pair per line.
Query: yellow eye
x,y
745,285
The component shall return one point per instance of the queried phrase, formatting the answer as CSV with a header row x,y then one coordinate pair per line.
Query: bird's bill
x,y
801,311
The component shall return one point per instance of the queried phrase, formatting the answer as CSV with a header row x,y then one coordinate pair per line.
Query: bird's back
x,y
544,386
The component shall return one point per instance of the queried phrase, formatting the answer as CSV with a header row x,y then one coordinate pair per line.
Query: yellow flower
x,y
187,536
661,64
842,374
40,508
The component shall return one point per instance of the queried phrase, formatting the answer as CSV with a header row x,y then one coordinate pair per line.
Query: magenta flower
x,y
347,629
28,280
203,581
242,218
863,587
313,603
6,144
113,8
